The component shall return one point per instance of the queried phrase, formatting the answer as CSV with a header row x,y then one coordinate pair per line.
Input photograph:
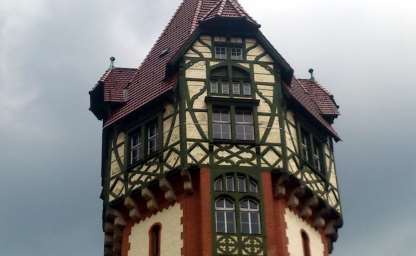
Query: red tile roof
x,y
322,97
304,93
114,81
149,81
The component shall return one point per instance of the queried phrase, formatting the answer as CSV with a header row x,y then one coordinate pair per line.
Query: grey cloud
x,y
52,52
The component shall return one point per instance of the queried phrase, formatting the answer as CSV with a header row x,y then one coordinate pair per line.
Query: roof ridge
x,y
237,8
212,10
197,12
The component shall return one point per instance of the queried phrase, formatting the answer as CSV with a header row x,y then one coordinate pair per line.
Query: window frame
x,y
233,108
143,130
312,138
237,198
230,81
155,229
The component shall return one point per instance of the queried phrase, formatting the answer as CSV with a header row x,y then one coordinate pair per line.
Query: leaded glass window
x,y
152,145
250,217
220,52
135,148
244,126
236,53
225,216
221,124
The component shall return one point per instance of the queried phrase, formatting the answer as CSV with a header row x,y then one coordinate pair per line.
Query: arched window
x,y
225,216
154,240
238,199
230,81
306,244
250,217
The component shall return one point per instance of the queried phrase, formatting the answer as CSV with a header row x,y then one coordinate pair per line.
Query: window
x,y
238,84
236,88
236,53
317,155
144,142
305,145
244,125
220,52
154,240
232,191
225,216
152,138
246,89
221,124
312,151
249,217
305,244
214,87
136,149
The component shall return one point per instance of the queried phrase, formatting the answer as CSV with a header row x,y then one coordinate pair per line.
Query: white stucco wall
x,y
170,237
295,225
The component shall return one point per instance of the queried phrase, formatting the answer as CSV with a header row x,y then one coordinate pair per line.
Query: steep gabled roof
x,y
114,81
303,91
150,82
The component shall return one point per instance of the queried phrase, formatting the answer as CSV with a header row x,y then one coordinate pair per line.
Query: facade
x,y
213,147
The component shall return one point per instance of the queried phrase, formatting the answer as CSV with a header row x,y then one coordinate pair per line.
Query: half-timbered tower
x,y
212,147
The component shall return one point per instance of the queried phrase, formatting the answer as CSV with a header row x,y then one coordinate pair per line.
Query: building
x,y
213,147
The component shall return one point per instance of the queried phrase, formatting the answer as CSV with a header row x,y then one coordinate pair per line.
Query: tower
x,y
213,147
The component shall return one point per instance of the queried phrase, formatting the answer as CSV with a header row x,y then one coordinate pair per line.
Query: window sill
x,y
319,173
227,100
234,142
144,160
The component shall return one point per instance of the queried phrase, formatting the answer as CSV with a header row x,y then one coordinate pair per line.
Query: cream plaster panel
x,y
274,136
250,42
295,225
206,39
195,87
121,137
291,137
205,51
172,160
191,54
263,122
246,65
202,118
265,90
258,69
263,106
254,53
176,132
290,116
198,153
266,58
261,78
198,70
333,178
169,110
191,130
166,129
170,236
293,168
213,63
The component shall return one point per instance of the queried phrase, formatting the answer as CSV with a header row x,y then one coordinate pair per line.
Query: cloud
x,y
53,52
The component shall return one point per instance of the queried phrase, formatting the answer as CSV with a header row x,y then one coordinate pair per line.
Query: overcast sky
x,y
53,52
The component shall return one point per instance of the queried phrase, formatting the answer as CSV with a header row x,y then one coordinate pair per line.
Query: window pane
x,y
135,148
242,187
220,52
214,87
245,223
221,124
236,89
230,218
246,89
255,222
230,183
236,53
253,186
219,216
218,185
152,145
225,88
244,204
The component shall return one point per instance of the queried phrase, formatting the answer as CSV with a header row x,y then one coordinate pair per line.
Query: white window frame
x,y
222,112
223,210
220,52
250,210
245,123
